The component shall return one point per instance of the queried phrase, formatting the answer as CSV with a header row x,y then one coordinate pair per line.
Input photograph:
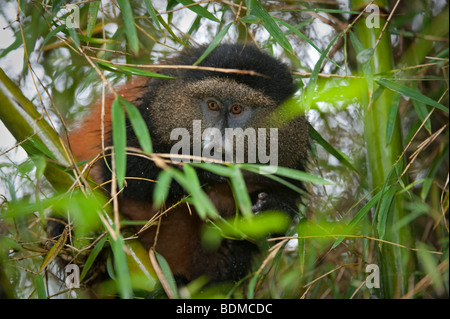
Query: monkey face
x,y
224,119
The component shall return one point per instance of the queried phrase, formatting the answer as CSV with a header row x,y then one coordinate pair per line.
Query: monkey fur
x,y
166,104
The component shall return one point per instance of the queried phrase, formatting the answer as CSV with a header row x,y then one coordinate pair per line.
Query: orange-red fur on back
x,y
86,140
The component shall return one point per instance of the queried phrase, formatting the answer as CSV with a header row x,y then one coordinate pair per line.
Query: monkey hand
x,y
272,200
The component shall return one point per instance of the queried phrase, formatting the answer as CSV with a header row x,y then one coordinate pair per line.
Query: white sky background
x,y
12,65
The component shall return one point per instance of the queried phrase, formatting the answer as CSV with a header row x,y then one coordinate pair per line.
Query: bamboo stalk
x,y
382,156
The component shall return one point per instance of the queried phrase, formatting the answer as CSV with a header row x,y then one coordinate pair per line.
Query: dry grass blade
x,y
426,281
160,274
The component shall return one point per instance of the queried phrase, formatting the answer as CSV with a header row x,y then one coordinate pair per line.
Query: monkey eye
x,y
236,109
213,105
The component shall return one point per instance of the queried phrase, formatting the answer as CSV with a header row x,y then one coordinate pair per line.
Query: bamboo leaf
x,y
92,16
218,169
202,203
139,126
385,208
343,158
311,87
250,19
270,25
132,70
286,172
40,286
363,57
162,188
198,9
422,113
51,34
153,13
189,181
74,36
412,93
122,275
56,248
302,245
240,192
167,27
392,117
130,28
92,256
119,140
56,4
253,227
304,37
214,43
167,280
358,217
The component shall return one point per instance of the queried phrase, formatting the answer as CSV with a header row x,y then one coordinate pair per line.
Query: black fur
x,y
278,84
233,258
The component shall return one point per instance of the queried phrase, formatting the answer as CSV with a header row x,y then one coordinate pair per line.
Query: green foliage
x,y
377,181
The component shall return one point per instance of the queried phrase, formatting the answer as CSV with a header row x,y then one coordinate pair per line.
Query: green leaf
x,y
92,256
41,164
264,224
51,34
365,55
189,181
40,286
270,25
167,273
201,11
302,244
360,215
139,126
422,113
201,201
132,70
153,13
254,227
92,16
311,87
56,4
392,117
74,35
250,19
119,140
412,93
240,192
214,43
56,248
162,188
304,37
130,28
122,276
385,208
174,36
343,158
